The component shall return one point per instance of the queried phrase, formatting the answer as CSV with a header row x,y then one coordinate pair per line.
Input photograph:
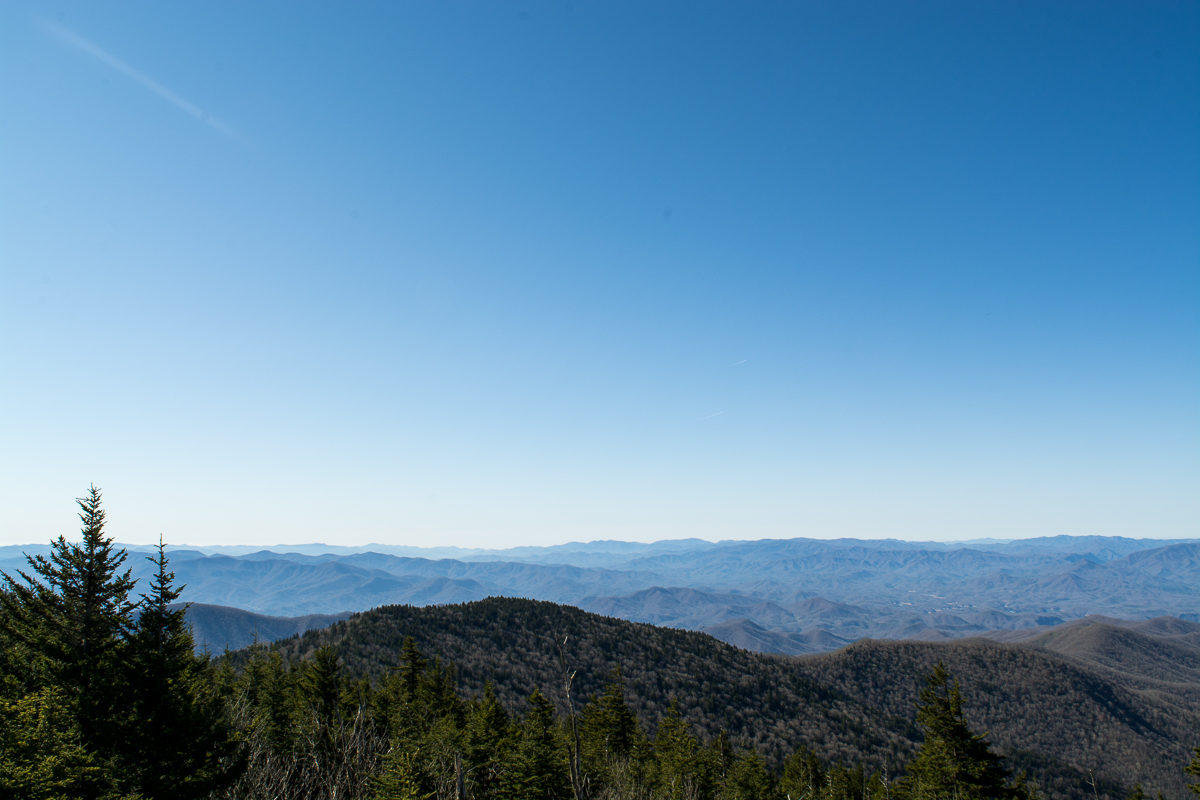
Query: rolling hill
x,y
1058,715
215,628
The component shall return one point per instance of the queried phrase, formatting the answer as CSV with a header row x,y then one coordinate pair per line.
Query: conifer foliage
x,y
101,696
70,615
176,740
954,762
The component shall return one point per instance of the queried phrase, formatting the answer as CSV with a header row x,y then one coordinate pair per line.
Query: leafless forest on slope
x,y
1091,709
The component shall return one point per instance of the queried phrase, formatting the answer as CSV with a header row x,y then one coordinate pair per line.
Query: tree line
x,y
103,696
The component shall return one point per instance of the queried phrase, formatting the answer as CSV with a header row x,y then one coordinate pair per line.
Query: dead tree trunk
x,y
578,780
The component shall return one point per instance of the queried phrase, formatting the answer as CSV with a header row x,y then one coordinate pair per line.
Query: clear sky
x,y
497,273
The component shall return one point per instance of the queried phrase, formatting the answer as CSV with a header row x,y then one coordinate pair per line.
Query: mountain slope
x,y
511,643
287,588
1126,650
1028,698
1067,716
217,627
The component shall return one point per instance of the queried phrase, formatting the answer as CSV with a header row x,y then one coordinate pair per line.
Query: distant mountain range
x,y
785,596
219,628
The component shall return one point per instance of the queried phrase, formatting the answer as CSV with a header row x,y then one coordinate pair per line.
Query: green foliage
x,y
399,777
73,614
803,774
614,746
608,728
748,779
806,778
175,739
40,754
1193,769
682,768
954,761
539,770
98,704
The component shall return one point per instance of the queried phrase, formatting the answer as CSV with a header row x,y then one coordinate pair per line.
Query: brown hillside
x,y
1059,716
1127,728
1125,650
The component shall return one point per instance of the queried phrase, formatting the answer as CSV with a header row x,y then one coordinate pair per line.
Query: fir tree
x,y
539,771
680,762
399,777
953,762
412,668
72,617
77,610
176,741
803,775
322,685
1193,769
609,729
489,743
40,754
748,779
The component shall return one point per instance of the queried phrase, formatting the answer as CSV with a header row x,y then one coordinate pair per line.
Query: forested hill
x,y
1060,716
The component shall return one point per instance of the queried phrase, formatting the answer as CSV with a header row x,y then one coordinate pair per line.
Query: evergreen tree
x,y
419,707
400,702
412,668
607,726
323,690
681,766
837,784
803,775
953,762
748,779
75,613
176,740
72,618
40,754
1193,769
399,776
611,739
539,771
268,687
489,744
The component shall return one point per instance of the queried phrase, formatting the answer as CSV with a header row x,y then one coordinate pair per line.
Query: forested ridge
x,y
102,696
1062,719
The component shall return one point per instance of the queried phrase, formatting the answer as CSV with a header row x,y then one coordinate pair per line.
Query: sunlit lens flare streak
x,y
77,41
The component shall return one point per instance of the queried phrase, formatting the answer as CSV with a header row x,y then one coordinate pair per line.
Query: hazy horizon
x,y
467,549
508,274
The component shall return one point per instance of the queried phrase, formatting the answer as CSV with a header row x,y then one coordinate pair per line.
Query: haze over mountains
x,y
785,596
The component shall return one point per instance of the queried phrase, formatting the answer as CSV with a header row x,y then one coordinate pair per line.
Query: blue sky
x,y
492,274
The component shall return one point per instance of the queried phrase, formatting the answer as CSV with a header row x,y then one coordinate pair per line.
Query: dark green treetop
x,y
1193,769
77,608
954,762
175,741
